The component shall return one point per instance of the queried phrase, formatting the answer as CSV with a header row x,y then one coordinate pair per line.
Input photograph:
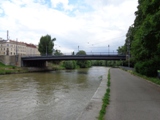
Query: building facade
x,y
12,47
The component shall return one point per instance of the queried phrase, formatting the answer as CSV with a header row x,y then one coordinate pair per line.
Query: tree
x,y
145,44
83,63
121,50
81,52
58,53
46,44
70,64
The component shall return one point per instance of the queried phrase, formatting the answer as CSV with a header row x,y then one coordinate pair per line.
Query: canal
x,y
56,95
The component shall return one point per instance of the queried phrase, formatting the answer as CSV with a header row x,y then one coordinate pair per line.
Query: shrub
x,y
148,67
70,64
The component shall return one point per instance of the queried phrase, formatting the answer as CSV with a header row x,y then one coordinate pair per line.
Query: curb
x,y
91,111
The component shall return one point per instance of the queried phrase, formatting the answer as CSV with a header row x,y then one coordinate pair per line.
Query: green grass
x,y
151,79
8,69
2,65
105,99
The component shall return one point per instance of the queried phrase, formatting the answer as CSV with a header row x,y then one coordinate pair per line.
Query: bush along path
x,y
105,99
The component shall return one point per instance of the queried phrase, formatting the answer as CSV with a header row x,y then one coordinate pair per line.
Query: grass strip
x,y
105,99
151,79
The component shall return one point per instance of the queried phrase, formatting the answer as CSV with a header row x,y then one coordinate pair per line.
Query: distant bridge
x,y
41,60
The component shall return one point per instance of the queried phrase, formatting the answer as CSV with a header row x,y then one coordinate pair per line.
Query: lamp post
x,y
16,52
108,49
78,48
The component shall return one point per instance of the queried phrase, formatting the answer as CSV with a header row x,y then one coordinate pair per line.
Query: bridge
x,y
41,60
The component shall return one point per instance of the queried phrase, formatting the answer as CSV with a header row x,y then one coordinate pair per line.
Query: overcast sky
x,y
93,25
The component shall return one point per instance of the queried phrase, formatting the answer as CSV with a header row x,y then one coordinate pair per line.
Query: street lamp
x,y
78,48
16,52
108,49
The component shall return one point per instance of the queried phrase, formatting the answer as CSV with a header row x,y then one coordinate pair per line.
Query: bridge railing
x,y
87,53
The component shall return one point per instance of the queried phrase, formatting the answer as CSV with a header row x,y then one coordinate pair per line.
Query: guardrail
x,y
87,53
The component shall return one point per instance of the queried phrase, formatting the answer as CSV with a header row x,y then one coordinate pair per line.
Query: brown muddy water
x,y
56,95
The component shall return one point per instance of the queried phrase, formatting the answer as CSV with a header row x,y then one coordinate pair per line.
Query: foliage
x,y
83,63
146,44
57,65
121,50
98,62
58,53
148,67
144,36
1,64
46,45
154,80
8,69
81,52
71,64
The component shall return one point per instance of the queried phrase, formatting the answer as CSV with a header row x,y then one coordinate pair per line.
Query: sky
x,y
89,25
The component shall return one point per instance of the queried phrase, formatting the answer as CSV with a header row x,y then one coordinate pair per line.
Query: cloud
x,y
95,25
64,3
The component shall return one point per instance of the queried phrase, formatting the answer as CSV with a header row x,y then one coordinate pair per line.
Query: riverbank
x,y
133,72
7,69
91,111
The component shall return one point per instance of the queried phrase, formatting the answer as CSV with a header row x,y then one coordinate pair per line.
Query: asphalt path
x,y
132,98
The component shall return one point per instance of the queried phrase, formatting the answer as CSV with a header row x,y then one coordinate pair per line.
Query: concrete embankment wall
x,y
11,60
91,112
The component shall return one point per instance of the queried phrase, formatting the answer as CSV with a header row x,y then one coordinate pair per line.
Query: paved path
x,y
132,98
127,68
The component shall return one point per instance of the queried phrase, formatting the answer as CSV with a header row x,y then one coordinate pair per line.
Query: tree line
x,y
46,47
143,38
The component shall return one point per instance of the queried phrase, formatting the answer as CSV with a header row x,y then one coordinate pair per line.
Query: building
x,y
12,47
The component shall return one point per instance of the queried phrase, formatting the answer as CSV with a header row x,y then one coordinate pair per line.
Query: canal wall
x,y
11,60
91,112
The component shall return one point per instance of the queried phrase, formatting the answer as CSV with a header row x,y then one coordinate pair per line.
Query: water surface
x,y
57,95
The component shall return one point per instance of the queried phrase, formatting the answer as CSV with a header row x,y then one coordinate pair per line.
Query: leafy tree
x,y
99,62
121,50
58,53
83,63
145,38
46,45
81,52
70,64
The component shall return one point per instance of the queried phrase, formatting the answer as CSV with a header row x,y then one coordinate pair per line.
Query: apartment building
x,y
12,47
